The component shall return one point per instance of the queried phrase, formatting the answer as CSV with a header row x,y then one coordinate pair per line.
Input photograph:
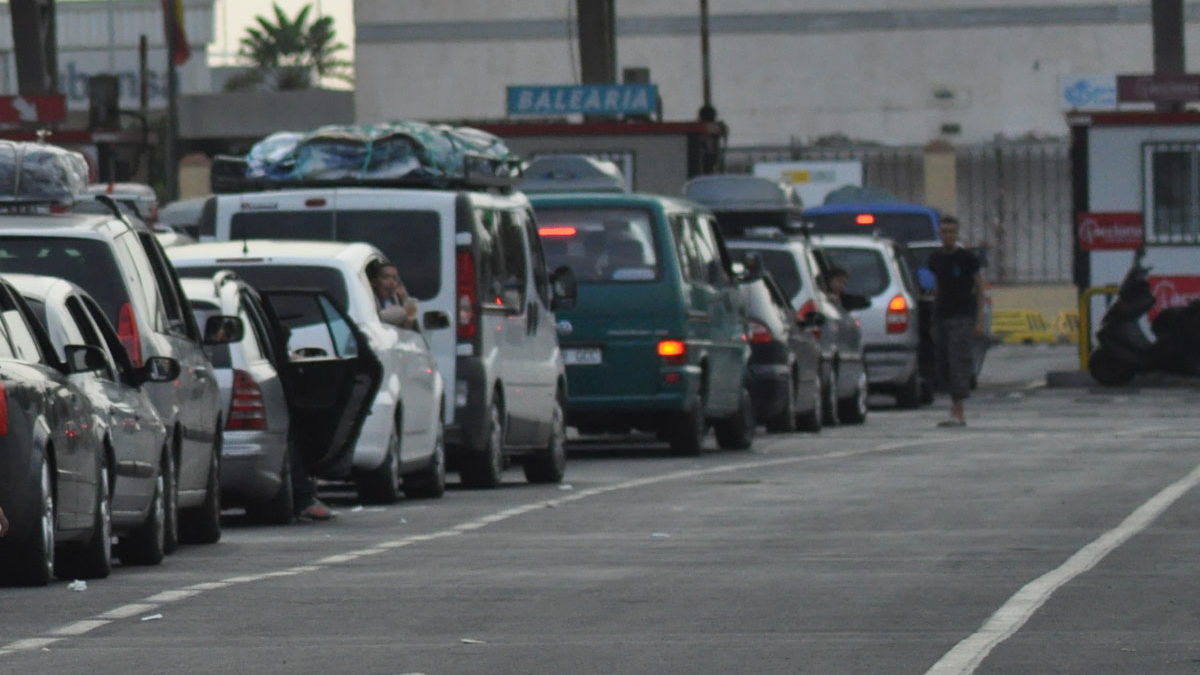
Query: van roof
x,y
873,207
738,192
593,199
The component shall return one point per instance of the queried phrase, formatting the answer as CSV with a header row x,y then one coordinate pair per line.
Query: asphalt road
x,y
1056,533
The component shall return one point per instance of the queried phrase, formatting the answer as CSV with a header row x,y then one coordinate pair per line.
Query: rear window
x,y
87,262
734,224
410,239
866,267
601,244
279,277
781,265
903,227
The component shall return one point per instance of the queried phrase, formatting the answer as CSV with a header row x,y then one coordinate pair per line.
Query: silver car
x,y
879,270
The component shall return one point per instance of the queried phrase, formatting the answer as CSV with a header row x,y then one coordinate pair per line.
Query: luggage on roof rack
x,y
402,153
38,173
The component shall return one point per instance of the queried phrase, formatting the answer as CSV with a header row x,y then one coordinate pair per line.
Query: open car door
x,y
331,377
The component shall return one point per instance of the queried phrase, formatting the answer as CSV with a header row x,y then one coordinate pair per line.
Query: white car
x,y
400,444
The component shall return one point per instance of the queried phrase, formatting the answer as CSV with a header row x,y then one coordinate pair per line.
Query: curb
x,y
1083,379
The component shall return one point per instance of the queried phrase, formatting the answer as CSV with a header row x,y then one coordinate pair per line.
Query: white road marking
x,y
80,627
966,656
126,611
172,596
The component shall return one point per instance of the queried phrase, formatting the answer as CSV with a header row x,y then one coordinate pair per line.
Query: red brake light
x,y
897,315
127,331
467,298
759,333
315,202
3,411
865,219
807,307
246,407
673,352
557,231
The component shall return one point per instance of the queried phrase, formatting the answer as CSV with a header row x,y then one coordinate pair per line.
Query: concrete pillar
x,y
941,177
193,176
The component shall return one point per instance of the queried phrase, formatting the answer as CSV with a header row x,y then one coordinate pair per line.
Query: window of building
x,y
1172,193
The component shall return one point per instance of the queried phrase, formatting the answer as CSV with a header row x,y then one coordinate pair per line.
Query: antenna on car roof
x,y
245,246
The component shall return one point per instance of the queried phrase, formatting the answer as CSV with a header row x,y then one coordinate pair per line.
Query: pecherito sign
x,y
1112,231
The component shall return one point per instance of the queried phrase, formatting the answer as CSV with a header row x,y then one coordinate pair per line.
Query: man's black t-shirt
x,y
955,273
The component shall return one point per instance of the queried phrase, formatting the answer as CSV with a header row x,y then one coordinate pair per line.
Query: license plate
x,y
587,356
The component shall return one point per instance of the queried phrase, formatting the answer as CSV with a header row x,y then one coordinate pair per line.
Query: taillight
x,y
246,407
467,298
673,352
759,333
127,331
3,411
807,307
897,315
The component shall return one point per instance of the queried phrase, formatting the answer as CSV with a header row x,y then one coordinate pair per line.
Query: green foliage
x,y
289,53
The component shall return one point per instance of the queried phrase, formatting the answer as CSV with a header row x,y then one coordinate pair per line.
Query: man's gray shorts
x,y
952,337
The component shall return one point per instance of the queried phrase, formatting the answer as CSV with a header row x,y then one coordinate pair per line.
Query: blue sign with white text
x,y
582,99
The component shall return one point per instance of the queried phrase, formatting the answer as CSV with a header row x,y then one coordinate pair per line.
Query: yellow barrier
x,y
1085,320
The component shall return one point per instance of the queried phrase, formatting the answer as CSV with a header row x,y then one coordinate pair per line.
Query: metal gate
x,y
1014,197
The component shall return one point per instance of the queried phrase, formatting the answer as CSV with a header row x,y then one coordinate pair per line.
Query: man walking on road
x,y
958,316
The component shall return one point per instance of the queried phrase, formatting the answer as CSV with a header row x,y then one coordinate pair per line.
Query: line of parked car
x,y
148,381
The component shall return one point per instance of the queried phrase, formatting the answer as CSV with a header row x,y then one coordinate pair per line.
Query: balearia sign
x,y
584,99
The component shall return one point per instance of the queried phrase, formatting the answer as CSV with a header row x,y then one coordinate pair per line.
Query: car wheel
x,y
687,429
908,396
381,485
736,432
1108,370
853,410
92,560
34,565
829,411
279,509
785,420
202,525
430,482
549,465
147,544
811,420
927,391
170,496
486,469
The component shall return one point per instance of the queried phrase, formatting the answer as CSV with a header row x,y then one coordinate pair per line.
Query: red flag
x,y
173,17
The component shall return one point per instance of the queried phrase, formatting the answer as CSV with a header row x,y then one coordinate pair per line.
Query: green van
x,y
656,340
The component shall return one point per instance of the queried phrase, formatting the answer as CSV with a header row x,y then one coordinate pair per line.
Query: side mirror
x,y
221,329
751,269
435,320
159,369
563,288
86,359
852,302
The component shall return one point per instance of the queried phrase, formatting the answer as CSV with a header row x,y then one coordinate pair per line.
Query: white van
x,y
473,255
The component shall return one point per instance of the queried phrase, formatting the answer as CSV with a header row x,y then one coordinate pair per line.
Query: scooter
x,y
1124,350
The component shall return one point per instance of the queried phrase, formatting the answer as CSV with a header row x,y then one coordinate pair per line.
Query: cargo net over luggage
x,y
37,174
403,153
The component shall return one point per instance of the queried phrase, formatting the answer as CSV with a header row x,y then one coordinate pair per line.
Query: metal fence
x,y
1015,197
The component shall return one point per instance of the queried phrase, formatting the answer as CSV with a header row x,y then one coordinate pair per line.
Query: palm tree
x,y
290,53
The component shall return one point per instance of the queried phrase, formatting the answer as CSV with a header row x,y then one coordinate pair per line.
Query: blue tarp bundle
x,y
40,172
401,149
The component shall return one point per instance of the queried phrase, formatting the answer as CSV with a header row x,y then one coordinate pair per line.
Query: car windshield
x,y
87,262
410,239
866,267
781,265
600,244
267,277
903,227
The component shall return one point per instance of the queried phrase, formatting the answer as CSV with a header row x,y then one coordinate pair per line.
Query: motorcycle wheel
x,y
1108,370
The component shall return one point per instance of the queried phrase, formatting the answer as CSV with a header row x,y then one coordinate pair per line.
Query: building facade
x,y
886,71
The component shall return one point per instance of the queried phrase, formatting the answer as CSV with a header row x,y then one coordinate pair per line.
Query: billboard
x,y
813,179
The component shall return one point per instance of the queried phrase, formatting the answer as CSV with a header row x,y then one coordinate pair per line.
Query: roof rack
x,y
228,175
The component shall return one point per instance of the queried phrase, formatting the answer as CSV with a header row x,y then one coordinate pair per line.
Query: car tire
x,y
170,494
1108,370
829,411
486,469
381,485
736,432
550,464
34,564
93,559
202,525
853,410
147,544
429,482
687,429
811,420
785,420
281,508
927,391
908,396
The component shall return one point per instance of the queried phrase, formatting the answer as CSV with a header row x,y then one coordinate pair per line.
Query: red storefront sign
x,y
1113,231
42,108
1173,291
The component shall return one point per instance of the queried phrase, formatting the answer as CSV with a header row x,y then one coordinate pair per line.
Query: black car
x,y
132,430
55,474
785,361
